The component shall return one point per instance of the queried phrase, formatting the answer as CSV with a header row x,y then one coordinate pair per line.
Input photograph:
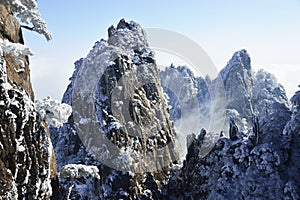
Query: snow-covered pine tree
x,y
27,11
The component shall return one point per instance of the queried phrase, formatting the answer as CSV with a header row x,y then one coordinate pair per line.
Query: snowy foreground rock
x,y
27,162
245,167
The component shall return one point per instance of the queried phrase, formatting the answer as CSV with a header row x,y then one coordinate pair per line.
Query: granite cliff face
x,y
237,77
27,163
132,118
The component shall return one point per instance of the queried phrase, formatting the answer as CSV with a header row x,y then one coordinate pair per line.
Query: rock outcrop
x,y
237,77
27,164
187,93
133,143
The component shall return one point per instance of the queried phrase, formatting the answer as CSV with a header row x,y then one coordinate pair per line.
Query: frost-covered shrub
x,y
52,111
16,50
27,11
78,171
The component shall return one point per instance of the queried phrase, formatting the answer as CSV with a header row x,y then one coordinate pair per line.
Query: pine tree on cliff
x,y
28,13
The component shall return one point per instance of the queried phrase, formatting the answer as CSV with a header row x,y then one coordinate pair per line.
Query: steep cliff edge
x,y
27,164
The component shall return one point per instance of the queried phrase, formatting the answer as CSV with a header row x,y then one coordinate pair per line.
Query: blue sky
x,y
268,29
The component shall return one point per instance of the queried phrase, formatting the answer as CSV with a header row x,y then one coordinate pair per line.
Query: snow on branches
x,y
27,11
16,50
52,111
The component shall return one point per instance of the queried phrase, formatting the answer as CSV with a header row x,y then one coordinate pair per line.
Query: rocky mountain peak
x,y
117,85
237,78
243,57
127,35
240,61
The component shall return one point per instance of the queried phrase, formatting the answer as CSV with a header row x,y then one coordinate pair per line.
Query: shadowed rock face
x,y
27,164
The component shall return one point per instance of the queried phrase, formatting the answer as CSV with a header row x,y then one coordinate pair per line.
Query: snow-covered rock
x,y
239,168
120,121
74,171
27,165
188,98
237,77
267,91
246,93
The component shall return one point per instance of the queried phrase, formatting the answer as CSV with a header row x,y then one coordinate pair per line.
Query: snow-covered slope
x,y
117,86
